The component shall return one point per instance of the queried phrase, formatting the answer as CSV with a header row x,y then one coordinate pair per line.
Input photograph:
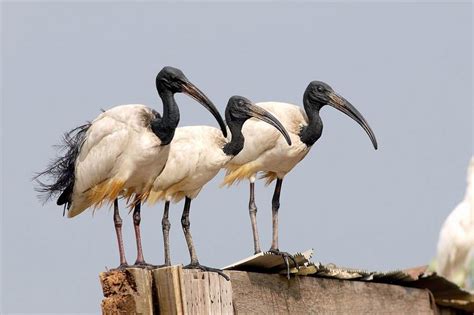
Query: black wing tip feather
x,y
59,174
65,196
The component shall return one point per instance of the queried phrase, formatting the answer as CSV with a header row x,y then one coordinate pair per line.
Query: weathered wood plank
x,y
167,283
127,291
177,291
275,294
226,296
187,289
206,293
195,294
214,294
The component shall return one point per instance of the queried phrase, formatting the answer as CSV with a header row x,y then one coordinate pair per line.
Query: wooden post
x,y
173,290
258,293
169,290
206,293
127,291
168,283
192,292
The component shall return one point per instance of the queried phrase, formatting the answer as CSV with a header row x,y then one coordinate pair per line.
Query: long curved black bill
x,y
344,106
264,115
191,90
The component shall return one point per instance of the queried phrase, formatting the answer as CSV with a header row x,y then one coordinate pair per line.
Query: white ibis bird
x,y
265,151
120,154
456,238
197,153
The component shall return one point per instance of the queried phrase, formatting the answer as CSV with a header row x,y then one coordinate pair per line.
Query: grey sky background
x,y
406,67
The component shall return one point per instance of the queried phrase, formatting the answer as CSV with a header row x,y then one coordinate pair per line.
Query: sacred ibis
x,y
120,154
197,153
265,151
456,238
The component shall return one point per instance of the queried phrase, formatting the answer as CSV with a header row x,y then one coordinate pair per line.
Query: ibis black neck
x,y
165,126
236,144
310,133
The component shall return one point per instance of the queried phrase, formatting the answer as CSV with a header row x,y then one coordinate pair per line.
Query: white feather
x,y
266,148
119,145
195,157
456,238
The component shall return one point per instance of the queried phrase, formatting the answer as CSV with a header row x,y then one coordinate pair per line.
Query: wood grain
x,y
173,290
167,284
206,293
274,294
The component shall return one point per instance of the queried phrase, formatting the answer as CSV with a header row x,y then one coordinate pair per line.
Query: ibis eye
x,y
320,89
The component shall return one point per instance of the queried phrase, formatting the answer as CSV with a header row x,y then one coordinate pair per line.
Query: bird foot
x,y
144,265
286,257
208,269
121,267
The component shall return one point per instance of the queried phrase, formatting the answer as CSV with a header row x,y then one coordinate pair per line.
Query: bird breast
x,y
265,149
195,157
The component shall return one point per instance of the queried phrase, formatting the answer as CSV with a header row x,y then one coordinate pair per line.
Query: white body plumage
x,y
120,153
265,149
456,238
195,157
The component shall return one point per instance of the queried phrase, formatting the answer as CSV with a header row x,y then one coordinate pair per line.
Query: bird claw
x,y
208,269
286,257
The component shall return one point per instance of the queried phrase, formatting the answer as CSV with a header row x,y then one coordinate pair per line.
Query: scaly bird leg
x,y
140,262
165,224
275,208
186,224
118,231
253,218
274,249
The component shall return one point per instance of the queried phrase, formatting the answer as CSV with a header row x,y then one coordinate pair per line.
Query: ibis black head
x,y
239,109
173,80
318,94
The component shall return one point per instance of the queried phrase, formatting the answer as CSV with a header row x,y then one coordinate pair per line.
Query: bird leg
x,y
186,224
274,249
275,208
118,231
140,262
165,224
253,218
